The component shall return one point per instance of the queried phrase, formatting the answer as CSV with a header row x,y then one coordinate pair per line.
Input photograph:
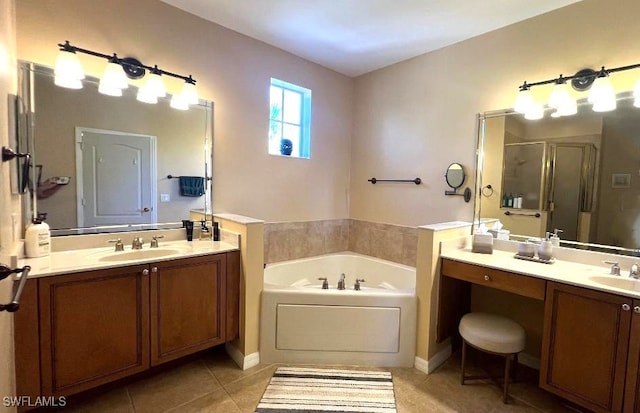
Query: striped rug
x,y
298,390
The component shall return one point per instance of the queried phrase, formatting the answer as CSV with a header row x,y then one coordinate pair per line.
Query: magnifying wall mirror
x,y
455,178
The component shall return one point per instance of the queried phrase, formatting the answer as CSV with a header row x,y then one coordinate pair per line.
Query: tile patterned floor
x,y
214,384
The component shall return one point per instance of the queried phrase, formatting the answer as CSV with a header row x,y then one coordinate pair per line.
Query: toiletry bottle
x,y
504,201
545,250
517,203
555,239
509,201
216,231
37,238
188,225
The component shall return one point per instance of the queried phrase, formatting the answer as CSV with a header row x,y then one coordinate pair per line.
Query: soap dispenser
x,y
545,250
555,239
37,238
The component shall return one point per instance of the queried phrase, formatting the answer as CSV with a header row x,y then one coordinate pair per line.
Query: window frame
x,y
304,152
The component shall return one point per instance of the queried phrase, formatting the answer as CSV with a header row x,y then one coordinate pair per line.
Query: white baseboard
x,y
244,362
529,361
428,366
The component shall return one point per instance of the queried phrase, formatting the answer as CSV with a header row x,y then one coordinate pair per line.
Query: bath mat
x,y
308,390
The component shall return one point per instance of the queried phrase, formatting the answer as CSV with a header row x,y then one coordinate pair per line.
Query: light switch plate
x,y
165,198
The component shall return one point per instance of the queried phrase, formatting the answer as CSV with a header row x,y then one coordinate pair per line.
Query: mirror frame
x,y
25,137
481,119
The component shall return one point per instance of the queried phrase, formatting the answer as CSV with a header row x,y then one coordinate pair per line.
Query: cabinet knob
x,y
636,309
626,307
487,278
145,272
154,269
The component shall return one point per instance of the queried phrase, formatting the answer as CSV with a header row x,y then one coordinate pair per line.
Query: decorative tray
x,y
534,259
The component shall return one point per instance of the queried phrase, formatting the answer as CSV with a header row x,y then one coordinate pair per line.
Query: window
x,y
289,119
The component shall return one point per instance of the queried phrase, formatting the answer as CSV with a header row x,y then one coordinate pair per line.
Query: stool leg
x,y
464,359
507,368
515,367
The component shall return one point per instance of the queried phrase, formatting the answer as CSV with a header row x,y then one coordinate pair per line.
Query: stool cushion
x,y
492,332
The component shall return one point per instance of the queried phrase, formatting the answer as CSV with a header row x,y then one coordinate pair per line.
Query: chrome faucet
x,y
119,244
341,282
154,241
615,268
137,243
634,272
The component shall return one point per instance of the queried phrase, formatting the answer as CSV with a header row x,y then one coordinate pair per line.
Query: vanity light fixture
x,y
69,73
601,96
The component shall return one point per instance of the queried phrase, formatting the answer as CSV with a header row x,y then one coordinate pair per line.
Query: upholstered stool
x,y
492,334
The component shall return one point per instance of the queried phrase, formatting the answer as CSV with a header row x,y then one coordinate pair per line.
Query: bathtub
x,y
303,323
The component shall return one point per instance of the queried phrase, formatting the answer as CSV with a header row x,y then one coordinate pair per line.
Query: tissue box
x,y
482,243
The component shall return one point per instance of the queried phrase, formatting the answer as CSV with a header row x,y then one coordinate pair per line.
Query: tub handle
x,y
356,286
325,283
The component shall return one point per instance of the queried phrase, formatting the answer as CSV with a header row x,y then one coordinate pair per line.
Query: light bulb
x,y
189,93
601,91
524,101
114,76
146,95
178,102
561,98
68,70
155,85
535,112
105,89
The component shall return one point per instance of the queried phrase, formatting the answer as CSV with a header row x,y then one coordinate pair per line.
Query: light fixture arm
x,y
588,75
127,61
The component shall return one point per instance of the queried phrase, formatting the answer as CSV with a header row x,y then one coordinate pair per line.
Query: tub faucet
x,y
341,282
356,286
325,283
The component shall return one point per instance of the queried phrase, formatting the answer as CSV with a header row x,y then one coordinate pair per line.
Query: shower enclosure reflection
x,y
581,174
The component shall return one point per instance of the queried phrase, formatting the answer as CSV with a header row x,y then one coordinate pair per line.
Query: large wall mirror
x,y
579,174
102,163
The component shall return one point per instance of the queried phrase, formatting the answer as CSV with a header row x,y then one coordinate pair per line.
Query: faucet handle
x,y
615,267
356,286
325,283
154,241
118,242
634,272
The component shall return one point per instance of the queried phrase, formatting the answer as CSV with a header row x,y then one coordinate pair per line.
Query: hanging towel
x,y
191,186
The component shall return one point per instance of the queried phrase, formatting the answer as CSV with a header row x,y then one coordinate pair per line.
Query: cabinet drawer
x,y
501,280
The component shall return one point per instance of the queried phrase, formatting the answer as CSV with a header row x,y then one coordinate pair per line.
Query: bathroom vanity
x,y
84,327
590,351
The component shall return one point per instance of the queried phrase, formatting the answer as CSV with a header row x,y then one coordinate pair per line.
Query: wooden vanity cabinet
x,y
188,298
78,331
632,384
585,346
94,328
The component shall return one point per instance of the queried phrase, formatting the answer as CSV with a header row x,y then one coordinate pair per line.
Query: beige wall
x,y
8,203
232,70
416,117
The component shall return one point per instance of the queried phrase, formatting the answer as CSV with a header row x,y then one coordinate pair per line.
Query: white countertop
x,y
65,262
567,272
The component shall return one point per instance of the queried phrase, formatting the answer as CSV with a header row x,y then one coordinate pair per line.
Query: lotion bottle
x,y
37,239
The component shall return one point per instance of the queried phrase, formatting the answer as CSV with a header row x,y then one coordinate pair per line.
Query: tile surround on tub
x,y
284,241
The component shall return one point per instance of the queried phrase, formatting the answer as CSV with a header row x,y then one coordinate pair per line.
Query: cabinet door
x,y
188,298
94,328
584,346
632,389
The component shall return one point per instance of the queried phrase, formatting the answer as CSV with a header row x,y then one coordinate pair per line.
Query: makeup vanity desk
x,y
590,350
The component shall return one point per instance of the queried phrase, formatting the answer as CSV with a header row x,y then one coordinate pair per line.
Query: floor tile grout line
x,y
247,376
133,406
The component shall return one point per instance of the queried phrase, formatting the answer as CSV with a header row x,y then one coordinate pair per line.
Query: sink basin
x,y
618,282
139,254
